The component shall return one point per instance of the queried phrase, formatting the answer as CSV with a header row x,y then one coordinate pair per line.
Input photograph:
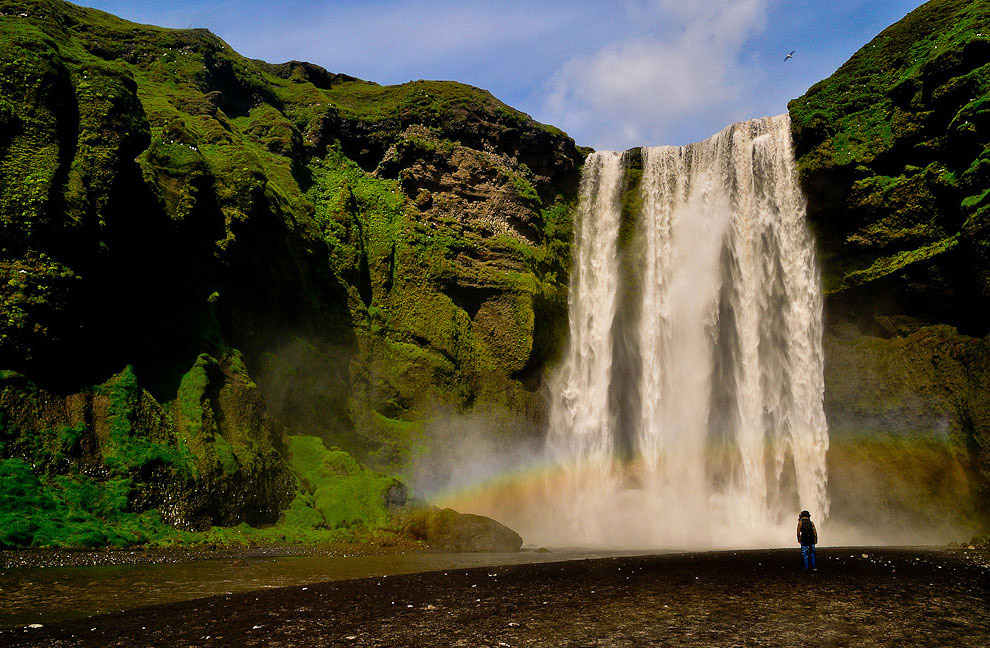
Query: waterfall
x,y
689,407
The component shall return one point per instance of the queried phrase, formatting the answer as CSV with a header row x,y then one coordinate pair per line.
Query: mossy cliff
x,y
893,151
236,253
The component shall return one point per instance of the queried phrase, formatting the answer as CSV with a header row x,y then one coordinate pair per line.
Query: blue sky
x,y
611,74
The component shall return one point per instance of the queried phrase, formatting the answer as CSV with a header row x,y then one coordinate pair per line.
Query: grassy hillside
x,y
254,252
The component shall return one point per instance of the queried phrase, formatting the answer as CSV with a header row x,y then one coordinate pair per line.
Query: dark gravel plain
x,y
860,597
19,558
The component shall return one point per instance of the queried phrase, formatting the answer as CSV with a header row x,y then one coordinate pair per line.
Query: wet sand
x,y
893,597
51,594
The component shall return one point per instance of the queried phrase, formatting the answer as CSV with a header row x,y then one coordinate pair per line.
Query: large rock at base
x,y
452,531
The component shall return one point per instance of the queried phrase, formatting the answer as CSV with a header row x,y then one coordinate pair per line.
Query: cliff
x,y
205,257
234,294
893,151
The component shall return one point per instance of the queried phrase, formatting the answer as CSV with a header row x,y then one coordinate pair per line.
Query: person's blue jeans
x,y
808,555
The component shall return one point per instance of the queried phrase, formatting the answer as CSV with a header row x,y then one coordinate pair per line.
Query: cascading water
x,y
700,309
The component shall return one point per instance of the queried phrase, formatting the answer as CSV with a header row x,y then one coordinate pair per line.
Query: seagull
x,y
790,55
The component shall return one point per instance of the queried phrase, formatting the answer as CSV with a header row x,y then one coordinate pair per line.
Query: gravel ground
x,y
16,558
859,597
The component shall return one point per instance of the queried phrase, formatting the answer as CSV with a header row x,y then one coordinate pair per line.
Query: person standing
x,y
807,537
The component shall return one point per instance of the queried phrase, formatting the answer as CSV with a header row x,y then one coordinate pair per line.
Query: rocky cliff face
x,y
894,151
235,292
311,254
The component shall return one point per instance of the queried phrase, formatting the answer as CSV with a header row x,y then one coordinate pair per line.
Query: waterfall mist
x,y
688,409
710,321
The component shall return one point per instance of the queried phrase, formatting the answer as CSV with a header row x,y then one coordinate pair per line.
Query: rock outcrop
x,y
208,458
452,531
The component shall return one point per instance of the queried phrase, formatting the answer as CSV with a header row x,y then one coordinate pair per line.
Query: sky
x,y
612,74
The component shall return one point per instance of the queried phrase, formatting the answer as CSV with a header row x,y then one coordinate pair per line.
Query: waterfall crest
x,y
709,321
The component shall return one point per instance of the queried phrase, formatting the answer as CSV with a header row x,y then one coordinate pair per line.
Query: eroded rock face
x,y
892,152
452,531
909,423
208,458
488,192
375,253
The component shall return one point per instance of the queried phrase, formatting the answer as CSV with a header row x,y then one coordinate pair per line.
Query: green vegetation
x,y
71,511
424,102
892,150
51,503
165,201
889,265
334,490
128,449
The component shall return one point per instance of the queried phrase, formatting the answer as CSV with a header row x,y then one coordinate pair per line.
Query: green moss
x,y
360,216
525,189
129,449
893,154
34,291
334,487
428,102
890,265
71,511
855,108
192,390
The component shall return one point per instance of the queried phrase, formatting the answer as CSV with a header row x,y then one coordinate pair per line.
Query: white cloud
x,y
633,92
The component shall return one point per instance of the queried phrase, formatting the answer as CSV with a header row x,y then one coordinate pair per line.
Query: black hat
x,y
805,514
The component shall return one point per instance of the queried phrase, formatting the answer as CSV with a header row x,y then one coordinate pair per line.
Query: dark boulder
x,y
452,531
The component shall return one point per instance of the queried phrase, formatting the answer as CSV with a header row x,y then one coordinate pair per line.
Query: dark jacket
x,y
814,532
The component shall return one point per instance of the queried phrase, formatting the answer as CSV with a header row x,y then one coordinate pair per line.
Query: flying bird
x,y
790,55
